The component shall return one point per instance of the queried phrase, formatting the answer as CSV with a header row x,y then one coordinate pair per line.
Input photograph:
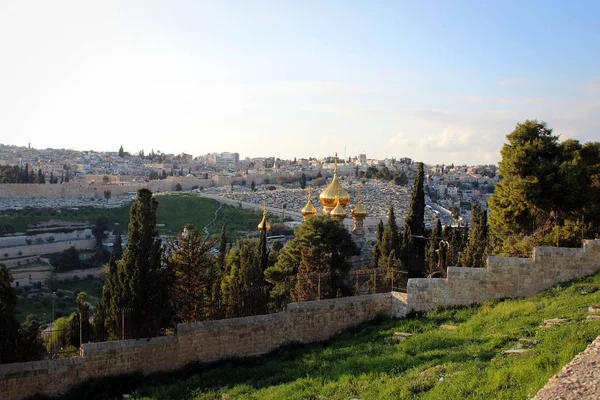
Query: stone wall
x,y
45,248
199,342
505,277
300,323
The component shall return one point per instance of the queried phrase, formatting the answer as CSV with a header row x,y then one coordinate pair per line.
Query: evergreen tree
x,y
378,244
143,282
413,250
432,246
475,253
307,285
263,249
192,264
390,240
118,246
121,152
320,232
9,335
303,181
99,230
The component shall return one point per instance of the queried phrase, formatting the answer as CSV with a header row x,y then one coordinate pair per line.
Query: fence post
x,y
392,288
374,282
319,286
122,324
357,287
80,332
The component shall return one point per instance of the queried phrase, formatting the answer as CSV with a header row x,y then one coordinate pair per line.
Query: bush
x,y
61,304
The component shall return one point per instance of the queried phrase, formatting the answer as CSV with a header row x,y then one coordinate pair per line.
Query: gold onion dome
x,y
264,221
338,213
329,197
359,211
309,210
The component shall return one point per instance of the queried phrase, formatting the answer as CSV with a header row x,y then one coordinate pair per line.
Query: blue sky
x,y
435,81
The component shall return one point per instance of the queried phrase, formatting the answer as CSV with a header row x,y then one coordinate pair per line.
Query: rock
x,y
403,334
555,322
593,317
514,351
595,309
449,327
527,343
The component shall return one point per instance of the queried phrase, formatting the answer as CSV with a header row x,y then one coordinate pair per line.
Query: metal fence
x,y
63,338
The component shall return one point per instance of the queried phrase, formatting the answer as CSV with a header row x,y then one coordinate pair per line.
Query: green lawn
x,y
174,211
435,363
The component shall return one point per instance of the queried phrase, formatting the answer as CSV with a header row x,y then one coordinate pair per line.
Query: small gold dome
x,y
359,211
330,195
309,210
338,213
264,220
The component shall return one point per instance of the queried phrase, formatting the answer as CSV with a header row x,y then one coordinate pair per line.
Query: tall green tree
x,y
144,282
332,240
303,181
413,246
475,253
547,186
378,244
432,247
9,333
192,264
118,245
121,152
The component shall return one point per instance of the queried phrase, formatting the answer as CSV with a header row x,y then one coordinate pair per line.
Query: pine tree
x,y
192,264
303,181
121,152
307,288
263,249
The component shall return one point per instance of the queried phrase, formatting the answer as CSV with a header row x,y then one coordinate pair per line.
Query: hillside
x,y
174,211
437,362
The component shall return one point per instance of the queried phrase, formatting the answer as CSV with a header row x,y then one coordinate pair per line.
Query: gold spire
x,y
338,213
359,211
264,220
309,210
334,193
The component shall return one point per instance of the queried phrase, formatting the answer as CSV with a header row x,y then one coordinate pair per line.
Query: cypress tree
x,y
475,252
143,282
9,336
118,246
377,247
390,240
432,246
413,251
263,249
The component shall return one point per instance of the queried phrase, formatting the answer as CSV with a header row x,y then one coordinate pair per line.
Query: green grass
x,y
174,211
369,364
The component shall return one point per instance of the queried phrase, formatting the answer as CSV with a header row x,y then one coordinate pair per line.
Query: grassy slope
x,y
174,211
368,365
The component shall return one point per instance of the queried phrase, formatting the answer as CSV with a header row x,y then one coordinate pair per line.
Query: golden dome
x,y
334,191
338,213
309,210
359,211
264,220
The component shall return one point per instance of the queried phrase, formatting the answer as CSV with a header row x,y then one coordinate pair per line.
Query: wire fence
x,y
64,339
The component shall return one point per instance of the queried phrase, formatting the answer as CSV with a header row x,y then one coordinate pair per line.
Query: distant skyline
x,y
436,81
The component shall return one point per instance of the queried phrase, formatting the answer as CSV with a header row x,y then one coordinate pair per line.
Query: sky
x,y
436,81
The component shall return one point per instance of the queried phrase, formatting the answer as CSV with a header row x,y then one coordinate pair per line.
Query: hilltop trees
x,y
334,245
9,339
546,193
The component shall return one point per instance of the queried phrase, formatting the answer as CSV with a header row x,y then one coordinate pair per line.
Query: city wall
x,y
300,323
45,248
